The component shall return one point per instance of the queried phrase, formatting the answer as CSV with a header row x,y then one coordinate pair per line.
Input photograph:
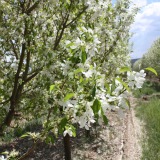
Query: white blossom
x,y
67,131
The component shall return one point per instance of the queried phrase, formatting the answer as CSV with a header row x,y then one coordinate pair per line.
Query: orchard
x,y
64,63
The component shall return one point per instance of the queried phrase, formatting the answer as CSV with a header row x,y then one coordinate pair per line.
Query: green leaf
x,y
113,87
94,91
69,44
108,88
124,69
52,87
79,70
74,133
105,119
25,135
49,139
62,125
128,103
63,122
84,56
123,83
5,153
96,107
72,128
68,96
55,109
152,70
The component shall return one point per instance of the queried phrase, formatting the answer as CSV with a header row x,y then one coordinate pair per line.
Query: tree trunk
x,y
7,120
67,147
87,133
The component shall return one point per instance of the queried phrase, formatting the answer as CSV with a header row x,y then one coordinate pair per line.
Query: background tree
x,y
152,57
137,66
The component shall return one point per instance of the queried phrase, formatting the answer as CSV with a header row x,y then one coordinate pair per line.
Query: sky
x,y
146,27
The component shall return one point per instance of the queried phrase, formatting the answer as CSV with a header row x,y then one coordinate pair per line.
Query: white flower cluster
x,y
115,100
136,79
2,158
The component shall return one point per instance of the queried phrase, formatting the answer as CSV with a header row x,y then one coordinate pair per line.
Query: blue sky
x,y
146,27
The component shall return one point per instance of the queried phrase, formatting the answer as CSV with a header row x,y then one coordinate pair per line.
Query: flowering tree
x,y
64,62
152,57
137,65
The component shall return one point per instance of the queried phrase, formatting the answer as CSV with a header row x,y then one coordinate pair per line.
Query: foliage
x,y
152,57
150,114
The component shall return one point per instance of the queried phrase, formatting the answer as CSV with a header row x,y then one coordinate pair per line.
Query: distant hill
x,y
134,60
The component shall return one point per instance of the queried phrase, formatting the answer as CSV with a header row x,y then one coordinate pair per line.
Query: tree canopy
x,y
151,58
65,62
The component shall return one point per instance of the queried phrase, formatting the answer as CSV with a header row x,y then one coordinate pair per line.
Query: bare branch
x,y
29,10
79,14
58,38
25,155
30,78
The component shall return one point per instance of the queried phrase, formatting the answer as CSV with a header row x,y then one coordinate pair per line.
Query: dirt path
x,y
132,135
119,141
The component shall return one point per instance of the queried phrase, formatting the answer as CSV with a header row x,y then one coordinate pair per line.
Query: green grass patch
x,y
12,133
148,89
149,112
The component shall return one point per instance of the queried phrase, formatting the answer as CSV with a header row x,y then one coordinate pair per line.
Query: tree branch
x,y
25,155
58,38
79,14
29,10
30,78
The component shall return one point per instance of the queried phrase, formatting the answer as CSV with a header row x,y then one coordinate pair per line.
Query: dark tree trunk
x,y
8,119
87,132
67,147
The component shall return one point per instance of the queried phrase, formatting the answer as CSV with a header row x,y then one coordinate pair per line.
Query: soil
x,y
120,140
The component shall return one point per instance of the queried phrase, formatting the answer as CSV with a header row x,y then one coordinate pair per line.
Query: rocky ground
x,y
117,141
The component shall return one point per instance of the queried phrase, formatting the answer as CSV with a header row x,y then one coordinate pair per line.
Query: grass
x,y
148,89
12,133
149,112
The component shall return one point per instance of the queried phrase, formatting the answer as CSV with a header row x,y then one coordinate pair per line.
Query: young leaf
x,y
25,135
108,88
152,70
96,107
51,87
124,69
49,139
123,83
94,91
62,125
73,129
79,70
5,153
63,122
68,96
105,119
84,56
